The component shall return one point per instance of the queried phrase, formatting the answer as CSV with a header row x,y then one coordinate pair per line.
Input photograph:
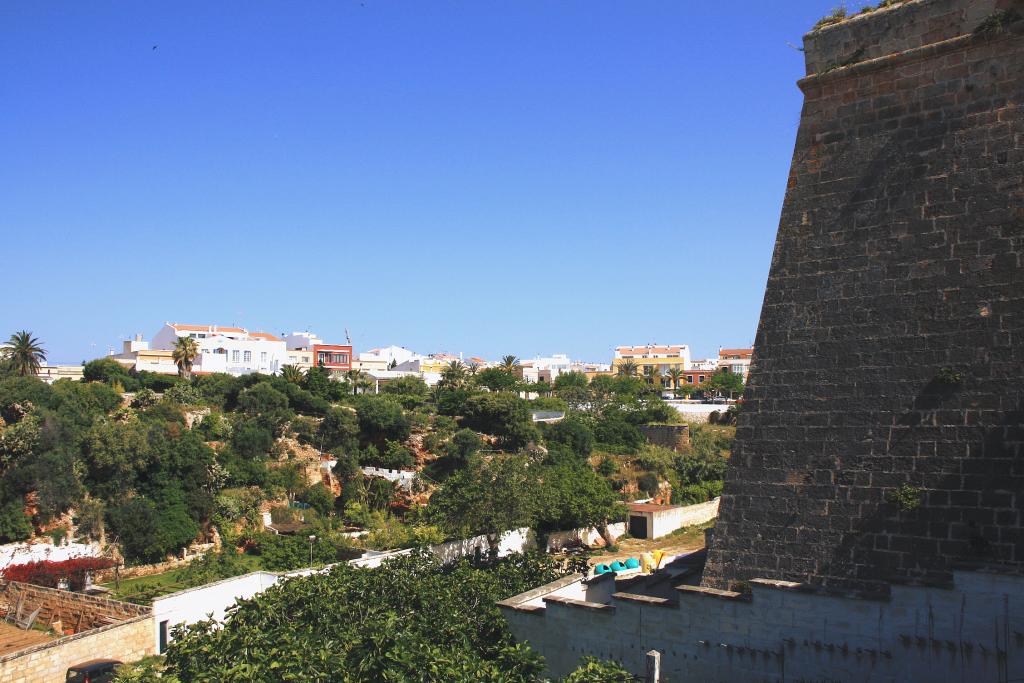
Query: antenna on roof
x,y
348,339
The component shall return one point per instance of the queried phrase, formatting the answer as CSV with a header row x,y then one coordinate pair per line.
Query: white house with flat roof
x,y
232,350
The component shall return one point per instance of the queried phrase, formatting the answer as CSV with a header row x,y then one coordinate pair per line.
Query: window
x,y
689,379
248,356
234,356
263,356
700,379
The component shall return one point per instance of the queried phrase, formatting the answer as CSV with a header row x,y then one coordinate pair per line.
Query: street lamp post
x,y
312,537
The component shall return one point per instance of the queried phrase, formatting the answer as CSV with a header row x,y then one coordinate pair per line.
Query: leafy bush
x,y
183,393
648,483
284,553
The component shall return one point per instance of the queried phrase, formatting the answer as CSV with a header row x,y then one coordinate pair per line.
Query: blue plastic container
x,y
632,563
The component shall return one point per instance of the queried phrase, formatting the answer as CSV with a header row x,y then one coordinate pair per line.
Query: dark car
x,y
93,671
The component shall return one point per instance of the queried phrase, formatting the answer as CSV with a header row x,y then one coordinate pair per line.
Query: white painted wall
x,y
212,600
23,553
403,478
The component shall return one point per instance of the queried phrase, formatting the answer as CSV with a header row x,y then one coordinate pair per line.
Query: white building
x,y
383,358
232,350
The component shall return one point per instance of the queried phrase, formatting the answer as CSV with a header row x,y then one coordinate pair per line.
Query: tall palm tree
x,y
509,364
291,373
185,351
627,368
675,374
24,353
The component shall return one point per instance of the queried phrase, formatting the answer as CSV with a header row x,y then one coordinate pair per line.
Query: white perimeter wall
x,y
23,553
212,600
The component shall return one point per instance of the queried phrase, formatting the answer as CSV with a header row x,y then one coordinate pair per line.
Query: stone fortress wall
x,y
881,435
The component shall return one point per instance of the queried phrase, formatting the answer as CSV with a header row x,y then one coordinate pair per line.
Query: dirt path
x,y
691,539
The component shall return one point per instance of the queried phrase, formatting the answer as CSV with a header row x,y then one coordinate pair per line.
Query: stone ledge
x,y
582,604
645,600
525,609
714,593
911,55
516,601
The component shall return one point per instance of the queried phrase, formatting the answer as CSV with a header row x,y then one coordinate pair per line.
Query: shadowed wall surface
x,y
880,439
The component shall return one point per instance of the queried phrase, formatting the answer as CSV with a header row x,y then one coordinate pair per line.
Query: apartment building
x,y
659,359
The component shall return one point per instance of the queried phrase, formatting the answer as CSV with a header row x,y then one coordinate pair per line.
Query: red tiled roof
x,y
631,350
264,335
742,353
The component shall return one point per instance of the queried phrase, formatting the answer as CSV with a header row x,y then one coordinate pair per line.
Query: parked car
x,y
93,671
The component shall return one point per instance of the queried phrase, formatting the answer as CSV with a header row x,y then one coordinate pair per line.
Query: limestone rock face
x,y
881,436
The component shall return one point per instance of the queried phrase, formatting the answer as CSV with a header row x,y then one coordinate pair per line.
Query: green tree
x,y
148,533
504,415
570,380
23,354
109,371
409,385
417,620
575,497
339,430
380,419
509,364
464,444
14,523
487,498
185,351
724,383
574,434
320,498
497,379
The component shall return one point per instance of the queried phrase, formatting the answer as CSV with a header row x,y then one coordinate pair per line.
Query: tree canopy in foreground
x,y
413,619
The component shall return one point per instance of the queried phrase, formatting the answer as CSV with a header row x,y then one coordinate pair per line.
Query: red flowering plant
x,y
50,574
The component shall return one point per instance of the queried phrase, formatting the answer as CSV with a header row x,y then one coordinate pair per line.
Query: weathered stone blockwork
x,y
890,350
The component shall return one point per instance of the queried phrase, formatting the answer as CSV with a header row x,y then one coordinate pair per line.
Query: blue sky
x,y
479,177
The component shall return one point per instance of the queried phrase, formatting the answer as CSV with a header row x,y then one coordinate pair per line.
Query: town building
x,y
52,373
736,361
231,350
136,355
653,358
385,358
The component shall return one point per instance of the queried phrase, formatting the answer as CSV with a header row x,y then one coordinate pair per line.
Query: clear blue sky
x,y
485,177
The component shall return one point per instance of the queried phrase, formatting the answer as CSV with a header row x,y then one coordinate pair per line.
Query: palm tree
x,y
453,376
627,368
675,374
185,351
291,373
652,374
509,364
24,353
357,379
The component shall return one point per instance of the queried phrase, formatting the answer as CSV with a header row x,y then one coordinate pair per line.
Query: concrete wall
x,y
971,632
128,641
204,602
